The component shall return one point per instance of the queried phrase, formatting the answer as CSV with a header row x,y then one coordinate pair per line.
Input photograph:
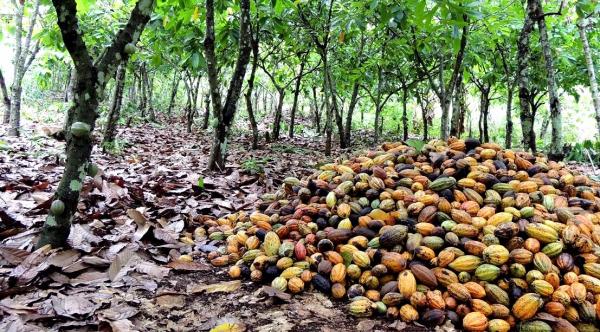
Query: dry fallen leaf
x,y
169,301
226,287
188,266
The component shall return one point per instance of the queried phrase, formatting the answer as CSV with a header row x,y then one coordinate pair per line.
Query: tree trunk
x,y
523,56
115,108
278,114
337,111
556,145
484,105
206,111
404,112
174,88
424,115
446,96
5,99
193,109
143,91
328,108
84,107
457,110
149,90
296,93
250,84
351,108
24,56
225,114
591,69
317,111
544,127
509,123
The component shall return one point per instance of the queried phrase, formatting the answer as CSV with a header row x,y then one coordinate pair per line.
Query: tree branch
x,y
32,56
66,12
129,34
558,13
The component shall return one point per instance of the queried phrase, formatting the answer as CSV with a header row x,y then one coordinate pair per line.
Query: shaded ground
x,y
135,221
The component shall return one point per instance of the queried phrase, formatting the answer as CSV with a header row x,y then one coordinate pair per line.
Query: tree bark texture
x,y
250,86
115,107
591,69
5,99
523,56
226,113
91,81
555,150
23,57
296,94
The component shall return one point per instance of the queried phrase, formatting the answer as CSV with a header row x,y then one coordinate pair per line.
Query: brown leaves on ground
x,y
135,262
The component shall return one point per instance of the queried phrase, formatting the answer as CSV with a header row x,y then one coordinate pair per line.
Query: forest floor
x,y
121,273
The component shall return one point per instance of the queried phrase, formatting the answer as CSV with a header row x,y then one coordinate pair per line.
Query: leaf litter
x,y
125,270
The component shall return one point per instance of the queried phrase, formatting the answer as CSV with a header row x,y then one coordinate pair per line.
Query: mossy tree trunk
x,y
591,70
226,113
457,110
92,77
555,150
523,56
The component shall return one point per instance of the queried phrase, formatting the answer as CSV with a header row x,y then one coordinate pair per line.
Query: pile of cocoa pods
x,y
486,238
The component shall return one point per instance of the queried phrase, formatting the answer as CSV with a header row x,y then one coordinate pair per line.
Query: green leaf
x,y
415,143
201,183
83,6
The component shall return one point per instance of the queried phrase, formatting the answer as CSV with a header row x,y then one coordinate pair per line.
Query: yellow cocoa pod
x,y
527,306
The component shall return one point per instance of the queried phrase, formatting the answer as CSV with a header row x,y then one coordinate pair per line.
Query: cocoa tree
x,y
92,76
224,113
25,53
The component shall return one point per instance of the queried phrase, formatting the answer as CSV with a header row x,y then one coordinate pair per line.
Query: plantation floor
x,y
120,274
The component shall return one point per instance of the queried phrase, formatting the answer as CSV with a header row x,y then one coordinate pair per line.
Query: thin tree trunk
x,y
509,122
523,57
296,93
225,114
328,109
485,105
591,69
5,99
544,127
377,102
149,90
143,91
115,108
456,107
404,112
278,114
351,107
206,111
446,95
337,111
317,111
556,145
174,88
249,89
424,115
23,58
